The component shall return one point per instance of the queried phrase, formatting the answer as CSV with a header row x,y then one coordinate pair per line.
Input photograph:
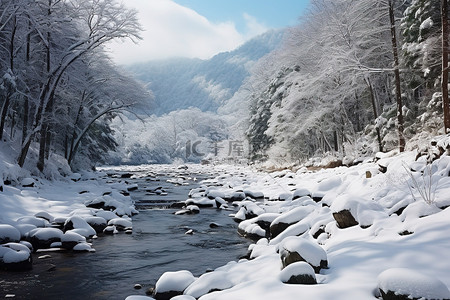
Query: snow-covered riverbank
x,y
358,229
388,240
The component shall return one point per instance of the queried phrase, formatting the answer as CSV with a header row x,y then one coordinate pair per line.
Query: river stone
x,y
298,273
98,223
294,249
408,284
9,233
172,284
344,219
42,238
15,257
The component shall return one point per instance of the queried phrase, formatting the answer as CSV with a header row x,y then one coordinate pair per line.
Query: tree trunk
x,y
398,93
375,113
444,78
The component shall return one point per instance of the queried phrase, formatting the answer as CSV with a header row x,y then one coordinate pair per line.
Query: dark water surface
x,y
158,244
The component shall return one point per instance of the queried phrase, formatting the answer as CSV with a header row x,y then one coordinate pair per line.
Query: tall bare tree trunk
x,y
375,113
444,78
398,92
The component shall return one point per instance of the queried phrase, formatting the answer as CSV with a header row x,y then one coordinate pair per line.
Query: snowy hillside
x,y
181,83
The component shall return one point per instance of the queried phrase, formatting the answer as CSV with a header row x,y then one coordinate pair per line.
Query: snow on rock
x,y
171,284
70,239
24,229
15,257
201,202
45,215
120,223
38,222
349,211
42,238
98,223
107,215
301,192
75,177
257,227
254,194
326,185
83,247
9,233
411,284
79,225
286,219
298,273
208,282
110,230
293,249
27,182
139,297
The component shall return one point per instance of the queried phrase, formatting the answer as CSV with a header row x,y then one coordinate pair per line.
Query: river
x,y
159,243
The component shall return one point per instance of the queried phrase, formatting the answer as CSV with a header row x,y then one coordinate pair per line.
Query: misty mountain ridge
x,y
180,83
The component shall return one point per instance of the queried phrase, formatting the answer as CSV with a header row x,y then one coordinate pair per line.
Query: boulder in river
x,y
171,284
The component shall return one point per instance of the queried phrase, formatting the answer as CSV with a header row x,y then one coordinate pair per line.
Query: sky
x,y
202,28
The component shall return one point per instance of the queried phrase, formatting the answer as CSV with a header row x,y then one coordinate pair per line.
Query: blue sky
x,y
202,28
272,13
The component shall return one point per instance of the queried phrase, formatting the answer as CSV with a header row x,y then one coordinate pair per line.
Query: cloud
x,y
172,30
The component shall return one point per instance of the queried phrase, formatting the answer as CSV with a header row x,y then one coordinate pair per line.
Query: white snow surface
x,y
416,240
412,283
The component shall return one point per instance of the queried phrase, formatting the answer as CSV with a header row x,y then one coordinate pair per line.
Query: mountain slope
x,y
206,84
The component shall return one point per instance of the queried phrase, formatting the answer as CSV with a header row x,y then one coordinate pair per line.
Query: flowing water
x,y
158,244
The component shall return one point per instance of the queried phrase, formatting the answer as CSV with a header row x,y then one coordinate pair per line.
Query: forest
x,y
355,77
58,87
351,79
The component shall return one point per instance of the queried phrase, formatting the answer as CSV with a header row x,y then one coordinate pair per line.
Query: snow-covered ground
x,y
398,239
400,243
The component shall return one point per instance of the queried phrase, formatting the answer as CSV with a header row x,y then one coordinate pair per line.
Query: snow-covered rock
x,y
298,273
42,238
208,282
79,225
9,233
171,284
15,257
411,284
293,249
286,219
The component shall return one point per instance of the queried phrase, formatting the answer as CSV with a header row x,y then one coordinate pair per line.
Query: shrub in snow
x,y
402,283
9,233
171,284
15,257
42,238
80,226
207,283
293,249
298,273
288,218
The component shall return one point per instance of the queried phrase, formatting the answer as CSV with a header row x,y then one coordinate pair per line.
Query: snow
x,y
414,239
174,281
9,233
297,268
412,283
